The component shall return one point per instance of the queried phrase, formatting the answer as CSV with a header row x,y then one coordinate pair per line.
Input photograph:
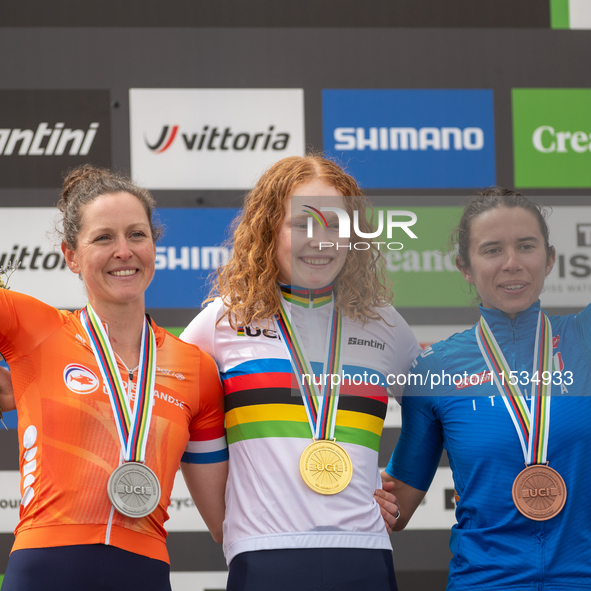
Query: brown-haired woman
x,y
302,514
513,414
100,443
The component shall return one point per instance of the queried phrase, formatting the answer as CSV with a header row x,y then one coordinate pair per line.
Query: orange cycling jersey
x,y
67,435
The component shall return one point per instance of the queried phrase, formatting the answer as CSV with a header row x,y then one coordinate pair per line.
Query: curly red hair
x,y
248,283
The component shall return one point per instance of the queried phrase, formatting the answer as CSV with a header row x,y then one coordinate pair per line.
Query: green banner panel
x,y
552,137
559,17
423,271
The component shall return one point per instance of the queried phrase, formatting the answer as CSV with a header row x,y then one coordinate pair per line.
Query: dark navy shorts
x,y
93,567
313,569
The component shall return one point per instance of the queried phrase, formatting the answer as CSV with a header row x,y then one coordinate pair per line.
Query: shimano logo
x,y
47,141
191,257
408,138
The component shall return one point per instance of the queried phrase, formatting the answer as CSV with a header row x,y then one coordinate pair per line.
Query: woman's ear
x,y
464,270
70,256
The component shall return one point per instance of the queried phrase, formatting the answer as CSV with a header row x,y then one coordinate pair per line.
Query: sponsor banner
x,y
10,500
424,275
26,238
412,138
182,511
212,138
570,14
552,137
199,581
422,271
188,255
189,252
435,512
45,132
569,283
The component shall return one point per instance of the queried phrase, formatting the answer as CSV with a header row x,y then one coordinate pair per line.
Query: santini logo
x,y
366,343
46,141
215,138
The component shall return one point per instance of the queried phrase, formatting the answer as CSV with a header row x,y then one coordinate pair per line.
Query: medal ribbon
x,y
321,410
532,424
132,426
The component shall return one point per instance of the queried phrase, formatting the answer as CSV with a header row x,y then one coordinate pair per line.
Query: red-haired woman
x,y
301,508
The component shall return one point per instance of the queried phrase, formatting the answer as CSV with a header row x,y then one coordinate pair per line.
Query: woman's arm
x,y
6,393
407,497
207,485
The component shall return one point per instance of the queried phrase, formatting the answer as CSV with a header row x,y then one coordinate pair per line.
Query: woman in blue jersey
x,y
302,511
514,417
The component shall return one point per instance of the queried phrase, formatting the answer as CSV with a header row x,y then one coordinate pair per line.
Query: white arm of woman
x,y
6,393
207,485
408,499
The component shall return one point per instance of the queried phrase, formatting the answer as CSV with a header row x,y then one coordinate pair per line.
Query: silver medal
x,y
134,490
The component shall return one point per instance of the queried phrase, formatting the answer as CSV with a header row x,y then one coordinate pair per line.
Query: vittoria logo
x,y
256,332
165,140
216,138
80,379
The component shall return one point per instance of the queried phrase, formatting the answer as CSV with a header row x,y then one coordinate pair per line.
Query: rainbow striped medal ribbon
x,y
324,465
133,488
539,491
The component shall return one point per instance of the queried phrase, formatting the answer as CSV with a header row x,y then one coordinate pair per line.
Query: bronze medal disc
x,y
134,490
326,467
539,492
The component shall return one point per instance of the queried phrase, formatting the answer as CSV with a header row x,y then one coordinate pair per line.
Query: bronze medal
x,y
539,492
326,467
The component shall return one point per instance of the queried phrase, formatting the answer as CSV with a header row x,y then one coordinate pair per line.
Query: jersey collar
x,y
307,298
522,326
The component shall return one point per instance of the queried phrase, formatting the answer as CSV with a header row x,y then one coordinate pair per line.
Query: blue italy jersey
x,y
494,546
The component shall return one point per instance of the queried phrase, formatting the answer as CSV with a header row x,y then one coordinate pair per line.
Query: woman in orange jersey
x,y
304,514
99,443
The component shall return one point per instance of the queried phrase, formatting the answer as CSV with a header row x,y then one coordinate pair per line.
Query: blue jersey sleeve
x,y
583,320
418,451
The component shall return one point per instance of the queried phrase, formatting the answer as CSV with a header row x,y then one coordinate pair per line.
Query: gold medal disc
x,y
326,467
539,492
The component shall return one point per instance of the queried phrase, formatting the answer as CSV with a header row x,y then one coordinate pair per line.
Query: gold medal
x,y
326,467
539,492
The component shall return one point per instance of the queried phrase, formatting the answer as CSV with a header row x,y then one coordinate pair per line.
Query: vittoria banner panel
x,y
212,138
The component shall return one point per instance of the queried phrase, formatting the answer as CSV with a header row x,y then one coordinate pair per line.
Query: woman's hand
x,y
388,505
407,500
